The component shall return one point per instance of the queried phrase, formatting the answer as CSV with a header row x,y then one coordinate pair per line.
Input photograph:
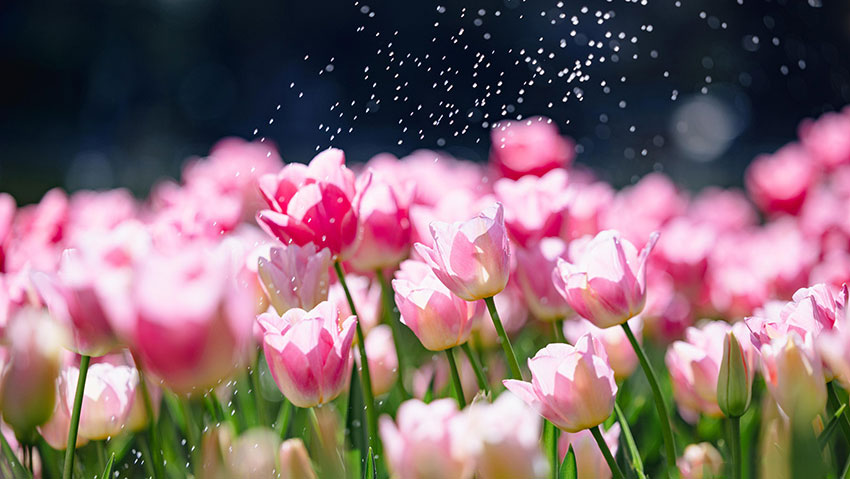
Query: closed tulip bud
x,y
309,352
107,399
607,282
572,387
700,461
794,377
383,361
472,258
294,461
735,382
252,455
295,276
384,217
29,381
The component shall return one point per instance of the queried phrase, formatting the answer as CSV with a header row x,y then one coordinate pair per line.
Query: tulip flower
x,y
507,434
427,441
735,379
383,361
194,316
543,299
529,147
28,392
439,319
367,299
700,461
254,454
588,208
309,352
793,375
294,460
825,139
621,356
779,183
314,203
434,375
535,208
295,276
590,462
607,282
384,215
471,257
572,387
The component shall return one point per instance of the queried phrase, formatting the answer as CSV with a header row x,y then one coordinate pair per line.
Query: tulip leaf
x,y
371,472
631,448
829,430
568,467
108,469
429,394
12,460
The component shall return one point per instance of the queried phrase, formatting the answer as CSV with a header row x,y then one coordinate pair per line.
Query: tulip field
x,y
427,317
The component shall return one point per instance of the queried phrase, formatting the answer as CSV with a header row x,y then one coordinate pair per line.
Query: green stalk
x,y
631,448
391,319
556,460
516,373
68,470
835,403
660,406
254,374
476,366
281,424
366,378
314,421
735,445
558,326
461,401
153,433
612,464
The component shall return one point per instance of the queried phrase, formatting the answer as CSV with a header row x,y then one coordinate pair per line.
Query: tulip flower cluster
x,y
428,317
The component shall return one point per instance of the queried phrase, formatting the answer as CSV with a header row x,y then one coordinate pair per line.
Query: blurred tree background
x,y
105,93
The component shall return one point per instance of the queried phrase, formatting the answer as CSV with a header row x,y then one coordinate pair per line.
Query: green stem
x,y
558,326
461,401
365,377
254,373
191,437
612,464
314,420
660,406
68,470
835,403
282,422
737,462
631,447
153,433
391,319
556,460
516,373
476,366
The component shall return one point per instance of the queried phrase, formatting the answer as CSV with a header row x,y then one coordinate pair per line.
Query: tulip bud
x,y
700,461
735,382
252,454
294,461
794,377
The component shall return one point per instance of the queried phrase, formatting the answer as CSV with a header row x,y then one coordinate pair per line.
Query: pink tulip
x,y
383,361
194,315
295,276
529,147
793,374
572,387
588,208
37,233
725,210
384,215
700,461
620,354
435,375
834,349
533,263
826,139
472,258
309,352
313,203
779,183
28,392
644,208
427,441
252,455
812,311
607,282
7,216
507,435
458,205
294,460
439,319
590,463
683,249
100,211
535,208
694,367
367,298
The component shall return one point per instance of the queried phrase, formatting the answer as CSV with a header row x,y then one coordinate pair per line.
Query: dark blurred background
x,y
104,93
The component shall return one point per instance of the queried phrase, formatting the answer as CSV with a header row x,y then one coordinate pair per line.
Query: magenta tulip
x,y
384,215
529,147
535,208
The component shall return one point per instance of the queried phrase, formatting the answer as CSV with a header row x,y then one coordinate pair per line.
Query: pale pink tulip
x,y
383,361
435,375
572,387
295,276
472,258
529,147
620,354
384,215
507,436
683,249
812,311
427,441
313,203
533,264
294,460
725,210
793,374
108,398
700,461
194,315
606,283
439,319
535,207
644,208
37,233
588,208
367,299
779,183
309,352
590,463
254,454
